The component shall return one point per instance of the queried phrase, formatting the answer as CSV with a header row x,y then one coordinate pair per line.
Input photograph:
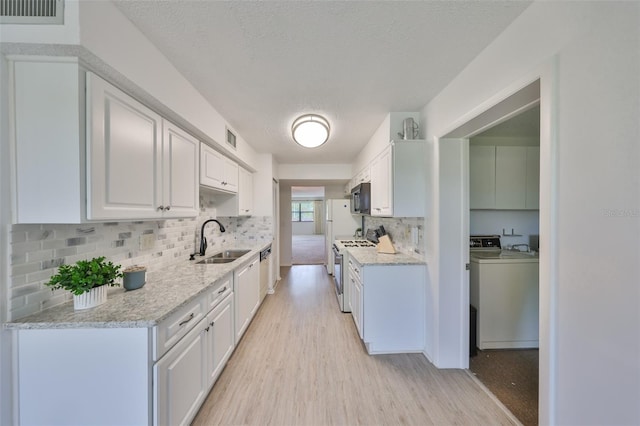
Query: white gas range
x,y
339,257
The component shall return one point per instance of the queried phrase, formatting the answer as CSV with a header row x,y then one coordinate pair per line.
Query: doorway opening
x,y
504,186
453,183
307,225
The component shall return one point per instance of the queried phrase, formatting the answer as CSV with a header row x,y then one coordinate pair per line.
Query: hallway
x,y
302,363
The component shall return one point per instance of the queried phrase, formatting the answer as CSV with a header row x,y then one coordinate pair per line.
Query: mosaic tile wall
x,y
399,230
37,250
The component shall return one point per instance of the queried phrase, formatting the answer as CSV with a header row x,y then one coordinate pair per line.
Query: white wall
x,y
134,56
303,228
285,225
386,132
314,171
6,380
263,185
591,50
493,222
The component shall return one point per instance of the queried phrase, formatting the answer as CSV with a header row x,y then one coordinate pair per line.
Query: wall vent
x,y
31,11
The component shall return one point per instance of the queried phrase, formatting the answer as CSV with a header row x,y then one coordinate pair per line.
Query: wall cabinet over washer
x,y
95,156
504,177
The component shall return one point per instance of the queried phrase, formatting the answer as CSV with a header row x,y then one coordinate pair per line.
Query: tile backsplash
x,y
399,230
37,250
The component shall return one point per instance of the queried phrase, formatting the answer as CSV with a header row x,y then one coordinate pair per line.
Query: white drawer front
x,y
220,290
167,333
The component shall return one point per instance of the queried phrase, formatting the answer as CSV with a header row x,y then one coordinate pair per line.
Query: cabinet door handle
x,y
160,208
211,323
223,290
187,320
207,329
167,208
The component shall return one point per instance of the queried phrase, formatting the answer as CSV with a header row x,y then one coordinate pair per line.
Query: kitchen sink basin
x,y
226,256
230,254
210,260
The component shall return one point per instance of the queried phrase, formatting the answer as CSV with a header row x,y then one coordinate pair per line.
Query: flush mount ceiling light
x,y
310,130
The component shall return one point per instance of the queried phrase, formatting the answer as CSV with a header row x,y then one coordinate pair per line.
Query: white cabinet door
x,y
532,200
247,296
357,317
220,338
49,179
382,185
482,177
511,163
124,156
245,193
211,167
217,171
230,182
180,171
180,380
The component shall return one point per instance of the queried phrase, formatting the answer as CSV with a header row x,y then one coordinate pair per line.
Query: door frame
x,y
505,104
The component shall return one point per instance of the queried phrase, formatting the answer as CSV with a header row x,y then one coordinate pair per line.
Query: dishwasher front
x,y
264,271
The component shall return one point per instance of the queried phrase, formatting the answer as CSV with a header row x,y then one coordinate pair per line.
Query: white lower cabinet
x,y
389,307
355,282
180,379
221,340
247,291
160,375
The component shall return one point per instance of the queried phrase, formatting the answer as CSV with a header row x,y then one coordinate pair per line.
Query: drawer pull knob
x,y
187,320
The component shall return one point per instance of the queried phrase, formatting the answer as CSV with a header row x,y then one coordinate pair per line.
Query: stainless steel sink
x,y
226,256
232,254
217,260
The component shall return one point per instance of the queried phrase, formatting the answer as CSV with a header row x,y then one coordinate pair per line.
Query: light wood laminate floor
x,y
301,362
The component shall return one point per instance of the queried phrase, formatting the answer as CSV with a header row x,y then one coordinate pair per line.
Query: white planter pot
x,y
94,297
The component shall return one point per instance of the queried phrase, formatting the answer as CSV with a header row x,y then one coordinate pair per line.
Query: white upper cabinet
x,y
398,180
48,142
245,193
138,164
217,171
96,156
504,177
482,177
382,184
240,203
180,164
532,199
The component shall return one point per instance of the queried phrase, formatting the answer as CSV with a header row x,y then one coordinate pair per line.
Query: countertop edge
x,y
32,322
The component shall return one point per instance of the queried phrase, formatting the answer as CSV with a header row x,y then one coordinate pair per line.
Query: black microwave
x,y
361,199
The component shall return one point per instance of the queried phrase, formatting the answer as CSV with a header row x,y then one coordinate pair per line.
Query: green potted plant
x,y
87,280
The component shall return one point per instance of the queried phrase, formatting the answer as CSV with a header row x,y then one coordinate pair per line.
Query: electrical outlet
x,y
147,241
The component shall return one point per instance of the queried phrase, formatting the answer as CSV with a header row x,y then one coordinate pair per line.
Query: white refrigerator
x,y
339,223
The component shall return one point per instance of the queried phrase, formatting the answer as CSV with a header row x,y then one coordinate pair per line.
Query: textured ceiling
x,y
261,64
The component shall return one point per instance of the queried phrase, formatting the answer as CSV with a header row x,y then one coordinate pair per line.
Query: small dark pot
x,y
134,280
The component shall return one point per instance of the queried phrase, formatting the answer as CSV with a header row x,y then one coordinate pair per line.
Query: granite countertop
x,y
165,291
369,256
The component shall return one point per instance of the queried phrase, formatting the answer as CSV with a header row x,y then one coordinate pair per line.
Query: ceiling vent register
x,y
31,11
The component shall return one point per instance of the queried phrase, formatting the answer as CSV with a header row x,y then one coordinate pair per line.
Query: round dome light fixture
x,y
310,130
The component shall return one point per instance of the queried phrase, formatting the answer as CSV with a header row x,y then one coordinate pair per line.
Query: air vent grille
x,y
31,11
